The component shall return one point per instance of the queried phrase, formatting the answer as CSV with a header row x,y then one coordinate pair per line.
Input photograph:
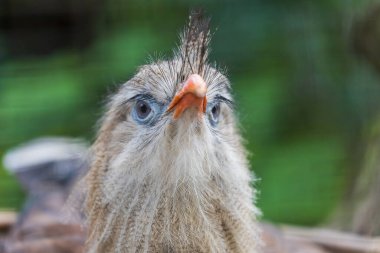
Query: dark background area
x,y
306,100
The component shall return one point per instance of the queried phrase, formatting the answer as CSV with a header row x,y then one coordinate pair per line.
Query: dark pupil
x,y
143,109
215,111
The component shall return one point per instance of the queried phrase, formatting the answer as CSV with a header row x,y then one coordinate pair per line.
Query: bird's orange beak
x,y
193,93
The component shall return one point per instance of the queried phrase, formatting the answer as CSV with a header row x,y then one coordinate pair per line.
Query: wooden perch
x,y
332,240
7,219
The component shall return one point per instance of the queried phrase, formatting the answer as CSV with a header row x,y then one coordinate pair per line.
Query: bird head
x,y
175,117
168,144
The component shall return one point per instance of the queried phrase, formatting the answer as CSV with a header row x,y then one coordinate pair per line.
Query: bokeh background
x,y
308,101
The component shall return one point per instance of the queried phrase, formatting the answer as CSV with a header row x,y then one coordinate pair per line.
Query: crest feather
x,y
194,42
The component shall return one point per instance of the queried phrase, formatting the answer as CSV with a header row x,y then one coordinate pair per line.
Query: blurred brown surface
x,y
41,227
275,242
332,240
7,219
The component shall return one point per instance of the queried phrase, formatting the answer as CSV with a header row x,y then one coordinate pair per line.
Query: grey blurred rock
x,y
47,163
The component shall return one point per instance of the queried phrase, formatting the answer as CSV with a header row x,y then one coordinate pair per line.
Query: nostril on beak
x,y
193,94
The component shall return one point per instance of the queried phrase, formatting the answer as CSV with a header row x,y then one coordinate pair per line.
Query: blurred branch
x,y
366,36
366,218
360,211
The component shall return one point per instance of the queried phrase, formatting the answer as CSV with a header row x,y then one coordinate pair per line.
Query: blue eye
x,y
214,114
143,111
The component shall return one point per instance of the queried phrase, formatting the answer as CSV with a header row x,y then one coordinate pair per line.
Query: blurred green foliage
x,y
303,98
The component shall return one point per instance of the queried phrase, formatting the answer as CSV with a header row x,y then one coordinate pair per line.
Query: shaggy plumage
x,y
175,185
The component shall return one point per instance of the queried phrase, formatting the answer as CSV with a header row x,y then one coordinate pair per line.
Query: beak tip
x,y
193,93
197,84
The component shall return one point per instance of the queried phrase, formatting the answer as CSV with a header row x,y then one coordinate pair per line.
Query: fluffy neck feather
x,y
177,196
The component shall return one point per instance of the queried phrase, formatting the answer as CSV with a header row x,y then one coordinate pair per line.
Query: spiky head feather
x,y
195,41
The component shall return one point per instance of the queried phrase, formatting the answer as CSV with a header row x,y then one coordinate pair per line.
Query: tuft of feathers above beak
x,y
194,43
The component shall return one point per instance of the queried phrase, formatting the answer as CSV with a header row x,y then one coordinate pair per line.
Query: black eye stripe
x,y
150,98
149,116
228,102
145,97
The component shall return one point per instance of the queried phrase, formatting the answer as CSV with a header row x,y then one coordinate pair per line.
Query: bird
x,y
169,171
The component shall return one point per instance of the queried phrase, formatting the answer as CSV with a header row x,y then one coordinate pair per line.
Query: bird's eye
x,y
142,110
214,114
